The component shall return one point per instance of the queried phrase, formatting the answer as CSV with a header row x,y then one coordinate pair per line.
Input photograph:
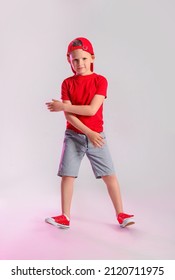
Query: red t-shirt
x,y
80,90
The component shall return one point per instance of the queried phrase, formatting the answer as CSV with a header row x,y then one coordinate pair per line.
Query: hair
x,y
77,42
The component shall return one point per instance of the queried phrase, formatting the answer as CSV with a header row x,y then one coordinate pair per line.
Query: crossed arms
x,y
84,110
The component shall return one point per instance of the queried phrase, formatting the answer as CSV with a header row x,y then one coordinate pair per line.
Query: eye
x,y
84,58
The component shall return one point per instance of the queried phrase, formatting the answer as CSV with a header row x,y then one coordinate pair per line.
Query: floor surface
x,y
94,233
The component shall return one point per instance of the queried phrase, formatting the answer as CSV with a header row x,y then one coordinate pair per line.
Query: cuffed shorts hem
x,y
66,175
103,175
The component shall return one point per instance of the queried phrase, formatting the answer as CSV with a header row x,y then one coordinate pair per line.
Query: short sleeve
x,y
64,91
102,86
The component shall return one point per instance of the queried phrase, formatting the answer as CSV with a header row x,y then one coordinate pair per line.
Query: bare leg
x,y
66,194
114,192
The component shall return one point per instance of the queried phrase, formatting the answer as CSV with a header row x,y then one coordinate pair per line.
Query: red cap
x,y
80,43
83,44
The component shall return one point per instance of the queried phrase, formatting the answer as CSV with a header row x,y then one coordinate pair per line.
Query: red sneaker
x,y
58,221
125,219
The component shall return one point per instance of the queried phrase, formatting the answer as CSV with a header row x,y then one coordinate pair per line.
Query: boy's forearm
x,y
77,123
95,137
84,110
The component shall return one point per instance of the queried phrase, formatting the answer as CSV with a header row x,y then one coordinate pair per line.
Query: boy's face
x,y
81,62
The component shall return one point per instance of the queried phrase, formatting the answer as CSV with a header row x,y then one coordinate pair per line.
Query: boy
x,y
82,103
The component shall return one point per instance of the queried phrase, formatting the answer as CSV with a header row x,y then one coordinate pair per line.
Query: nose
x,y
79,62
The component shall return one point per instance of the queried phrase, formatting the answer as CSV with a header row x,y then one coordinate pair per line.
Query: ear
x,y
92,57
68,58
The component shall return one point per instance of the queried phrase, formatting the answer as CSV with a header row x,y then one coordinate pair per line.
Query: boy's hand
x,y
96,139
55,106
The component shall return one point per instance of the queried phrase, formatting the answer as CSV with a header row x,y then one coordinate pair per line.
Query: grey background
x,y
134,46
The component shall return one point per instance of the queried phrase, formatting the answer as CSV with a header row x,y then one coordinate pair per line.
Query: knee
x,y
109,179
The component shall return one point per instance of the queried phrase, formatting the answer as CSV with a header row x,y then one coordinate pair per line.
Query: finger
x,y
54,100
49,107
98,143
101,143
100,140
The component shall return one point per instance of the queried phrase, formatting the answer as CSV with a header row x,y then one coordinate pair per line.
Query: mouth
x,y
80,68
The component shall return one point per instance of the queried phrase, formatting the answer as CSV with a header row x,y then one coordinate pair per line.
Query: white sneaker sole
x,y
52,222
127,222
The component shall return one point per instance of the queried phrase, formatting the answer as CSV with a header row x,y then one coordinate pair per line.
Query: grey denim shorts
x,y
75,146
